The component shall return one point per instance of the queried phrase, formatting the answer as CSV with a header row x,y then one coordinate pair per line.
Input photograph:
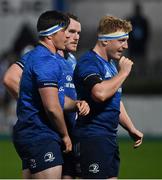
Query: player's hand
x,y
83,108
125,65
137,136
67,143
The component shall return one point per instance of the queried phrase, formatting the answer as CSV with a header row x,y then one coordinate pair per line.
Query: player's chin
x,y
61,47
73,48
118,55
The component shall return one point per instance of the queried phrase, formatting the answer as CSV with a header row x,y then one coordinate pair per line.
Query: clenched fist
x,y
125,65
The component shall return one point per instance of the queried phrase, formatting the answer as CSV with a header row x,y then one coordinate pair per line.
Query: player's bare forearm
x,y
70,105
107,88
49,96
11,80
76,106
50,100
127,124
124,119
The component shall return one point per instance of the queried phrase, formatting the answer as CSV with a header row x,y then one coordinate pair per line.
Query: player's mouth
x,y
120,52
75,43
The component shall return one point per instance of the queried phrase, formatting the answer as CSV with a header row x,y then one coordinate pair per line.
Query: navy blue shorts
x,y
40,155
97,157
68,168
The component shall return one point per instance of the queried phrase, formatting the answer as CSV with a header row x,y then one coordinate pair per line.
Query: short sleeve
x,y
21,62
47,72
87,68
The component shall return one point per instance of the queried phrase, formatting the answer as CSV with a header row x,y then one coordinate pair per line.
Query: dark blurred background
x,y
142,91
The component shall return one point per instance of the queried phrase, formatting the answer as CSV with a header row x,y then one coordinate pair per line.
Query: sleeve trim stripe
x,y
20,64
94,74
47,84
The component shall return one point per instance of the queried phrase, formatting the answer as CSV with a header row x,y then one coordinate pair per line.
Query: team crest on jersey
x,y
94,168
48,157
68,78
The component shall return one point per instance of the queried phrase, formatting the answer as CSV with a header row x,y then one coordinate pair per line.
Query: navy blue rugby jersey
x,y
103,118
69,88
70,64
42,69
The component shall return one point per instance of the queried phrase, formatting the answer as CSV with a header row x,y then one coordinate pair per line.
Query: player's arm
x,y
12,78
49,96
107,88
71,106
126,122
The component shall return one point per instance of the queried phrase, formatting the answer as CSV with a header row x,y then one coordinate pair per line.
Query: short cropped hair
x,y
111,24
72,16
52,18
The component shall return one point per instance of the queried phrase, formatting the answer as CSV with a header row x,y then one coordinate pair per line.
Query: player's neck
x,y
49,46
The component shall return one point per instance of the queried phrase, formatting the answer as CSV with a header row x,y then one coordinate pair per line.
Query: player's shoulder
x,y
26,55
23,59
87,59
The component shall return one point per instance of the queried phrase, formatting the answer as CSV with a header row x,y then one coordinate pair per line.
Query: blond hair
x,y
111,24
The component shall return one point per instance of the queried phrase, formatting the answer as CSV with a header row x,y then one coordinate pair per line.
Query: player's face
x,y
73,35
116,47
59,39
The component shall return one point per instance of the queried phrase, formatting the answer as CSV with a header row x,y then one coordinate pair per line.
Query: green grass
x,y
144,162
10,163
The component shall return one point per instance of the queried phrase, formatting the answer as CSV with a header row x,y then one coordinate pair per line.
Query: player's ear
x,y
105,43
49,37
